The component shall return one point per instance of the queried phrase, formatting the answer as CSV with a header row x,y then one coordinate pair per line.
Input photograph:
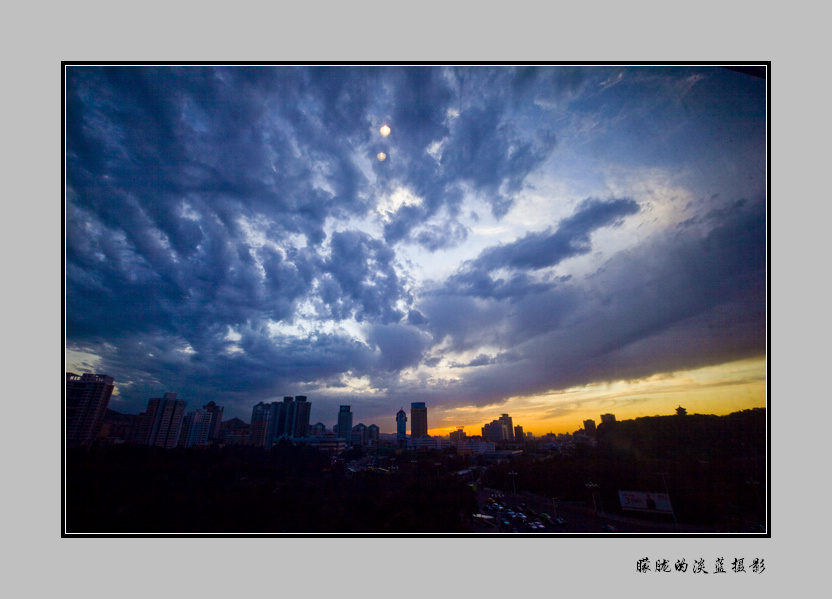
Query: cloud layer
x,y
231,235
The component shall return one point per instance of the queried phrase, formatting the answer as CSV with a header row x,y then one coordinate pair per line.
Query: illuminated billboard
x,y
645,502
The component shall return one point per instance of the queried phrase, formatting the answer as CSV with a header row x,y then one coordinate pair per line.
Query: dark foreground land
x,y
131,489
713,469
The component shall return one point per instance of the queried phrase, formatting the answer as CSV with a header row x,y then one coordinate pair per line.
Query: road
x,y
580,519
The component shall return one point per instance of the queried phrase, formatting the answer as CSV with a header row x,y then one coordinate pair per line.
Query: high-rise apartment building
x,y
274,421
418,419
196,428
277,420
297,416
261,416
87,398
163,421
216,420
345,423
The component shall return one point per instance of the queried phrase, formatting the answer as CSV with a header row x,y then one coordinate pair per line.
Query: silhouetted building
x,y
401,428
359,434
163,421
235,432
196,428
418,419
498,430
118,428
372,435
216,420
261,416
297,420
607,418
518,433
87,398
289,419
345,423
589,427
187,422
458,435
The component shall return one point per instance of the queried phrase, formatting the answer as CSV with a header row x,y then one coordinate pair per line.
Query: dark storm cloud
x,y
539,250
256,367
361,279
244,139
400,346
485,360
168,170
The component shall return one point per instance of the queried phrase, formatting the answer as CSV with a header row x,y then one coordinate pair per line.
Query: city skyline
x,y
555,243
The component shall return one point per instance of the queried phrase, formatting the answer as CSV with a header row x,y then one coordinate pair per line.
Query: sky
x,y
551,242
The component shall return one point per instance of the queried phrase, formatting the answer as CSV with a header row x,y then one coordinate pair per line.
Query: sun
x,y
385,130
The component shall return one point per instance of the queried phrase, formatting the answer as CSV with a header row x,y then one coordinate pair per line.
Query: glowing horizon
x,y
714,390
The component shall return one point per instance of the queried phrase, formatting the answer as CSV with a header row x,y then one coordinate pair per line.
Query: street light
x,y
592,486
513,476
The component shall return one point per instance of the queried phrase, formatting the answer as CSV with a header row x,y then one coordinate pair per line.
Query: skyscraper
x,y
401,428
163,420
289,418
87,398
297,416
345,423
418,419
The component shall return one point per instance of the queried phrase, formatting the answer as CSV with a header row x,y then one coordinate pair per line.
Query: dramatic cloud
x,y
232,236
